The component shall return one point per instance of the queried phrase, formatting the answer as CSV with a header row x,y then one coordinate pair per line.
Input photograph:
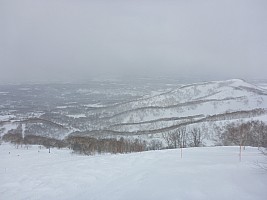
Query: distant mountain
x,y
188,104
206,104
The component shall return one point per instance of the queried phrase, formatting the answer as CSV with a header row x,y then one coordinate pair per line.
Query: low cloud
x,y
77,40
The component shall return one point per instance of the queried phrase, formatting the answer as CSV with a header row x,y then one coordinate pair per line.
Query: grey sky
x,y
48,40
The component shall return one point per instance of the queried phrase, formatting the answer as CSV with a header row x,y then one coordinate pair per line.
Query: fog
x,y
76,40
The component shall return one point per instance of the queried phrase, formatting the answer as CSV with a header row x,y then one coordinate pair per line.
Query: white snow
x,y
77,116
262,85
82,91
7,127
94,105
6,117
72,102
202,173
60,107
23,130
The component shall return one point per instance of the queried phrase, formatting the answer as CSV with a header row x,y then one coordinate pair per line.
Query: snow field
x,y
202,173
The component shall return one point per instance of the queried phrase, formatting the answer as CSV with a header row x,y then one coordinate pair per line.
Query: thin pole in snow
x,y
240,151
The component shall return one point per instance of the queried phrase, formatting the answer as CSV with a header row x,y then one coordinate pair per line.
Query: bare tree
x,y
173,139
237,134
167,139
259,134
196,137
155,145
252,133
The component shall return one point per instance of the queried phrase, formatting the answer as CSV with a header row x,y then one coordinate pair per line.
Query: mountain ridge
x,y
187,105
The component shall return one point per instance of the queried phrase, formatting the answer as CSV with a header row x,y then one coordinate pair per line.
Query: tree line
x,y
252,133
84,144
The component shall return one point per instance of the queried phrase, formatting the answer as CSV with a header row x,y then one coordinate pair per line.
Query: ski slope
x,y
202,173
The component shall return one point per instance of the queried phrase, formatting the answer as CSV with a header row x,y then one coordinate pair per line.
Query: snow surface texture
x,y
202,173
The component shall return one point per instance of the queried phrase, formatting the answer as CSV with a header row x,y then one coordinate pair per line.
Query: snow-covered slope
x,y
202,173
193,103
207,91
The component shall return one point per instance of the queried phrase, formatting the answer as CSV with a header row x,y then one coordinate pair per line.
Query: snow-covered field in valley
x,y
202,173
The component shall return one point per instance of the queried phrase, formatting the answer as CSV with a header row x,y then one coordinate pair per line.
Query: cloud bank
x,y
68,40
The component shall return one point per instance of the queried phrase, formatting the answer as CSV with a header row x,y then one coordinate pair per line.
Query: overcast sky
x,y
74,40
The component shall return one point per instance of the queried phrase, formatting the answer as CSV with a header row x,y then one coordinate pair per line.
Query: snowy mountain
x,y
186,105
205,104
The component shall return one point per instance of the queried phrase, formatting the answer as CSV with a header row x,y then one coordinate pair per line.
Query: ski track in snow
x,y
202,173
